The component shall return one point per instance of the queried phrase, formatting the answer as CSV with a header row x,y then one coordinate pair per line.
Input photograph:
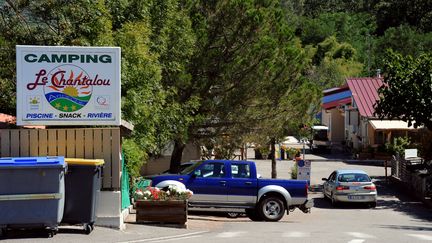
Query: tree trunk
x,y
273,158
176,156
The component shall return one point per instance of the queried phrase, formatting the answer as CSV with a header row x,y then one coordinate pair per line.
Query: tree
x,y
403,39
406,93
46,23
121,23
244,51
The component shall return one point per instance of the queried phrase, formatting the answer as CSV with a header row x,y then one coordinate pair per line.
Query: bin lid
x,y
76,161
49,161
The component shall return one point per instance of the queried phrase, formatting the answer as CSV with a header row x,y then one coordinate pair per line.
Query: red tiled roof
x,y
365,93
8,119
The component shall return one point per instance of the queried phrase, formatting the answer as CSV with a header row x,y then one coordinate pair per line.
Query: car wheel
x,y
253,215
271,209
372,205
233,215
333,201
325,195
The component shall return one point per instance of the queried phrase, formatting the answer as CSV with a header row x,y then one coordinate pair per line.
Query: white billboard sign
x,y
58,85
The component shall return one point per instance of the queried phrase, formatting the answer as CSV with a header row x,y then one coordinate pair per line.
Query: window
x,y
240,171
211,170
353,177
332,176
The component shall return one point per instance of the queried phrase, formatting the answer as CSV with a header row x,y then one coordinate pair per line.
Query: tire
x,y
233,215
372,205
333,201
271,209
253,215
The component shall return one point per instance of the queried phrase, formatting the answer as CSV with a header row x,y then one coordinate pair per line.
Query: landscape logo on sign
x,y
66,88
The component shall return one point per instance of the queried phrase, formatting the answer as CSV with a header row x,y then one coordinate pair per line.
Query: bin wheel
x,y
88,228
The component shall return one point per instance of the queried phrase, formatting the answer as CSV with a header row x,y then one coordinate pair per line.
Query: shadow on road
x,y
397,199
25,234
405,227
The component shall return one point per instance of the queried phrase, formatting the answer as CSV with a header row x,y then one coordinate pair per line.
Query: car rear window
x,y
353,177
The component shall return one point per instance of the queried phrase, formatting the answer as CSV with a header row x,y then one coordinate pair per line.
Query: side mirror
x,y
324,179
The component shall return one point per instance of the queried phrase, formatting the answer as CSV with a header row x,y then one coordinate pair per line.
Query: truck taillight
x,y
341,188
372,188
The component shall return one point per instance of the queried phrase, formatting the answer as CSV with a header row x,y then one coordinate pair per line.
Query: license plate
x,y
356,197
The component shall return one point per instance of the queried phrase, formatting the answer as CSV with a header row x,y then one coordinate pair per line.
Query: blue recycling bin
x,y
32,192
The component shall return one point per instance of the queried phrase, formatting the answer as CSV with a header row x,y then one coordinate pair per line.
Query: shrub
x,y
294,171
398,146
134,157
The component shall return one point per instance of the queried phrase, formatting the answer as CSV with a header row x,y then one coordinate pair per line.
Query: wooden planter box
x,y
161,211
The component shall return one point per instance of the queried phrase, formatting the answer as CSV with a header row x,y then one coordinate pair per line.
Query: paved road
x,y
397,218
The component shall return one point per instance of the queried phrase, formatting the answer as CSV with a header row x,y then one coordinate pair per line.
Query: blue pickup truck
x,y
234,184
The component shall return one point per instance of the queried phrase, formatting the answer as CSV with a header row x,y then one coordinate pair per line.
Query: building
x,y
348,111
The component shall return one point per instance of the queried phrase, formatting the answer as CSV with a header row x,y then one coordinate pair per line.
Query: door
x,y
330,184
242,188
209,183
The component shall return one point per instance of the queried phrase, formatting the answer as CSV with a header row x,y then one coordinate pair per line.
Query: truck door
x,y
209,183
242,186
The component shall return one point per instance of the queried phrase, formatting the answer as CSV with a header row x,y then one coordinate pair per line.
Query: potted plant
x,y
168,205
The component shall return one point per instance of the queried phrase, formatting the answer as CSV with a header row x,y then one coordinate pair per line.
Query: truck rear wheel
x,y
271,209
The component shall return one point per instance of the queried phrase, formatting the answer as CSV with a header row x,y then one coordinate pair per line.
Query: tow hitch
x,y
306,207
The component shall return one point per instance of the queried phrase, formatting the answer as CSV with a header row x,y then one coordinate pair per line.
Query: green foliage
x,y
398,146
407,84
403,39
294,170
134,157
46,23
229,70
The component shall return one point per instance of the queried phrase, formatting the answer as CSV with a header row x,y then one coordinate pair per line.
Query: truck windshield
x,y
191,168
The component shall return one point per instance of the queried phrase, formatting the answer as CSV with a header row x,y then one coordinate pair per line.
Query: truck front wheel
x,y
271,209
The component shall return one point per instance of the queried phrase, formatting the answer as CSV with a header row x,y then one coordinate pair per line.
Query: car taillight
x,y
341,188
306,189
372,188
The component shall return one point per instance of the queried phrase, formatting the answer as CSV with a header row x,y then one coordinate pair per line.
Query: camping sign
x,y
68,85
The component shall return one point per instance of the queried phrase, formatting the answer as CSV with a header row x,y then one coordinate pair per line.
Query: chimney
x,y
378,73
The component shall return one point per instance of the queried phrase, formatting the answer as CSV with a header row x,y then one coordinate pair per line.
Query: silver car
x,y
350,186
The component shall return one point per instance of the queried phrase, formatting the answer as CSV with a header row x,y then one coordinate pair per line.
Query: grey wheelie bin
x,y
82,186
31,193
